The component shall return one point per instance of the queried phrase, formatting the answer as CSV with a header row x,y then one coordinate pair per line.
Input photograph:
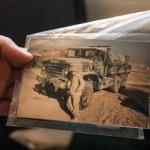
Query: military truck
x,y
99,66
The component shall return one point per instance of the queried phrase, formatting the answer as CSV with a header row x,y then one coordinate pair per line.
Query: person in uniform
x,y
75,87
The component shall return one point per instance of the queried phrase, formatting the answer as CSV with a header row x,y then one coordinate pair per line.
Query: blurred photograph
x,y
87,81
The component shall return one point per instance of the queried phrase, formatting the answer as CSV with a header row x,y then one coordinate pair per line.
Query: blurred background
x,y
21,17
99,9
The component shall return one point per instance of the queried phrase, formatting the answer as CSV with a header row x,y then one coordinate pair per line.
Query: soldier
x,y
75,86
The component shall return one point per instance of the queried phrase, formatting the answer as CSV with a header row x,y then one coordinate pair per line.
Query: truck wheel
x,y
86,95
116,85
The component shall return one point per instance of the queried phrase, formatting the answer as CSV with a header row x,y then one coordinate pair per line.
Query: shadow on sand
x,y
135,99
60,95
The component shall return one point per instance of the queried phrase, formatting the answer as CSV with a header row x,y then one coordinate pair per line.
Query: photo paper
x,y
85,82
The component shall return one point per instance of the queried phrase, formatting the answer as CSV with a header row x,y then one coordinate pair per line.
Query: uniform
x,y
75,85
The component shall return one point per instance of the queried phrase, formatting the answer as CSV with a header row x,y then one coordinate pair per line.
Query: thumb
x,y
12,53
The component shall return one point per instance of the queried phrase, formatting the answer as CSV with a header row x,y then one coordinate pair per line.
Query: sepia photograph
x,y
87,81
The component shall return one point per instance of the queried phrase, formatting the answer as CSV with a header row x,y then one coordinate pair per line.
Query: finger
x,y
16,72
14,54
4,107
5,74
9,93
15,76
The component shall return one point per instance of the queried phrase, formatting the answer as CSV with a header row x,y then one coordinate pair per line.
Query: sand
x,y
130,107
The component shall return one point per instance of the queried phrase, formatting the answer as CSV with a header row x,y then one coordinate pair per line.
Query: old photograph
x,y
96,82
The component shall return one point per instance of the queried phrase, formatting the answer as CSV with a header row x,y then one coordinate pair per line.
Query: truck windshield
x,y
90,53
81,53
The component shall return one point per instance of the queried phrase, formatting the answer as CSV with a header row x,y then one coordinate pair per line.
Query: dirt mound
x,y
130,107
107,108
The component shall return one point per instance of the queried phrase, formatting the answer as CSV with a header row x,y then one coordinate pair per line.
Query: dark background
x,y
21,17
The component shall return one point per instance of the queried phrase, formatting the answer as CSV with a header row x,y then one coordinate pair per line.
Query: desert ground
x,y
130,107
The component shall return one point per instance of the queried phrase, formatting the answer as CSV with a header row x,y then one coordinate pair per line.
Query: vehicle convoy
x,y
99,66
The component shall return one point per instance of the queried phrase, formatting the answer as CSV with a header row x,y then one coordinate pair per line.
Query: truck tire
x,y
86,95
116,85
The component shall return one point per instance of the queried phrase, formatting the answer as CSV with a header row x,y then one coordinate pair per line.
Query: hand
x,y
12,58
